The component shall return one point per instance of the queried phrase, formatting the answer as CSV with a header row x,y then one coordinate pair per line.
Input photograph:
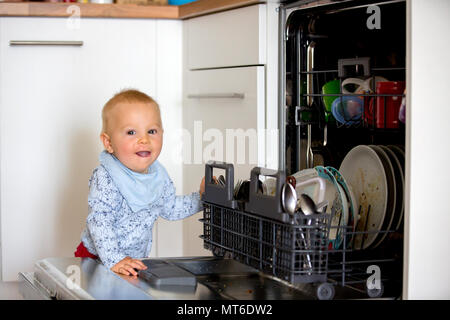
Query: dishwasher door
x,y
216,279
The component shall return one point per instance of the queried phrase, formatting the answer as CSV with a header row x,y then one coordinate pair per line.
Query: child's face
x,y
134,135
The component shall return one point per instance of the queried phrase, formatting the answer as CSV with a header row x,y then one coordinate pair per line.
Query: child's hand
x,y
202,186
127,265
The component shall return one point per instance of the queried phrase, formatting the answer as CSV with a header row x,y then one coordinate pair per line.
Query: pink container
x,y
392,103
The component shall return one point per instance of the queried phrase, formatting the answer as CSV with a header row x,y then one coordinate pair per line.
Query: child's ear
x,y
106,140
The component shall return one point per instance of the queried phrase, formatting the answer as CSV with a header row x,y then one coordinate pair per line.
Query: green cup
x,y
330,87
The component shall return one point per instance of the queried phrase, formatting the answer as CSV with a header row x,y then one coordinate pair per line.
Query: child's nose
x,y
143,140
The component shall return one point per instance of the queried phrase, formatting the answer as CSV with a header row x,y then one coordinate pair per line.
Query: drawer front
x,y
230,38
222,108
43,29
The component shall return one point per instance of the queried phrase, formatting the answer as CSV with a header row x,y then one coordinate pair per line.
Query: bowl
x,y
179,2
348,109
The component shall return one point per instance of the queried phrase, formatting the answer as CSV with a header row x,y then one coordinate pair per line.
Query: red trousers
x,y
82,252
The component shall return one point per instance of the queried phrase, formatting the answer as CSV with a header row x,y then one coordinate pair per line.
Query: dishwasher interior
x,y
340,58
334,32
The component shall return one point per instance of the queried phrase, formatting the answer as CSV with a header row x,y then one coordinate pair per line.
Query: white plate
x,y
355,206
344,220
350,203
332,195
311,190
399,205
337,206
364,172
400,156
392,195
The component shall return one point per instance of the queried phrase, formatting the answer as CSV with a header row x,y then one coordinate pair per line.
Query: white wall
x,y
427,220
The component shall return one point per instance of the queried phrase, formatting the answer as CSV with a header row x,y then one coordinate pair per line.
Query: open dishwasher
x,y
341,101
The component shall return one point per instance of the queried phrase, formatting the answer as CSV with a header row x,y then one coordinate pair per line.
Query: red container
x,y
387,107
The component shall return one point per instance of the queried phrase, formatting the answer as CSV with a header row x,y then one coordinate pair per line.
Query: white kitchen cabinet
x,y
51,98
230,38
427,214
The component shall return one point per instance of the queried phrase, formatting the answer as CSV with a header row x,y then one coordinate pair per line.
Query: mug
x,y
402,111
361,86
331,87
387,107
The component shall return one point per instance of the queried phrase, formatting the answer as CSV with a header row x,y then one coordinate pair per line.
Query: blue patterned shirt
x,y
113,231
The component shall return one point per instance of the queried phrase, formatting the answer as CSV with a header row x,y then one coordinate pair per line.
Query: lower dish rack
x,y
296,250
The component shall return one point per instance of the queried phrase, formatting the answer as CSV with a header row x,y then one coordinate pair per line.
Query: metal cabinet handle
x,y
217,96
44,43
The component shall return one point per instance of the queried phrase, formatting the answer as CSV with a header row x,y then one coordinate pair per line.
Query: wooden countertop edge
x,y
94,10
49,9
203,7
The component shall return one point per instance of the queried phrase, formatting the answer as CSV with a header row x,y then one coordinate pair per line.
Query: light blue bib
x,y
140,190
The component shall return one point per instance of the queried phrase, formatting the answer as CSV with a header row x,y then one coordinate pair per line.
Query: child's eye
x,y
131,132
152,131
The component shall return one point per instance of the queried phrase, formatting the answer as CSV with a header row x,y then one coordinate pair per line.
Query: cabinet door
x,y
232,38
224,118
51,101
427,220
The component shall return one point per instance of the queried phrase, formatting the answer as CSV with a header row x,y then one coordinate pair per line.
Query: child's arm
x,y
180,207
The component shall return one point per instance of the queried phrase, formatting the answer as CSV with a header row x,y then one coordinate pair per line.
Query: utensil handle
x,y
264,204
309,152
216,193
45,43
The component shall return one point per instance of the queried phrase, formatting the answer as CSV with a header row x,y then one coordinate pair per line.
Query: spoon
x,y
289,203
222,181
289,198
307,205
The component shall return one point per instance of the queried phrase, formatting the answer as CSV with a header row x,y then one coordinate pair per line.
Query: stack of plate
x,y
341,201
376,176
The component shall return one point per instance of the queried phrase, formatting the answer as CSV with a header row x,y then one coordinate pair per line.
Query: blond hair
x,y
126,96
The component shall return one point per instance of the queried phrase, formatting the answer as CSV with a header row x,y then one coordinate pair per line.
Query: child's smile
x,y
144,154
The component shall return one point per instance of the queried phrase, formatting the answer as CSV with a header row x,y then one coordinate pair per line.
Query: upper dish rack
x,y
331,97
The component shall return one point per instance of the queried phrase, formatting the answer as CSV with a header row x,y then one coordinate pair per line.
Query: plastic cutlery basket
x,y
261,235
